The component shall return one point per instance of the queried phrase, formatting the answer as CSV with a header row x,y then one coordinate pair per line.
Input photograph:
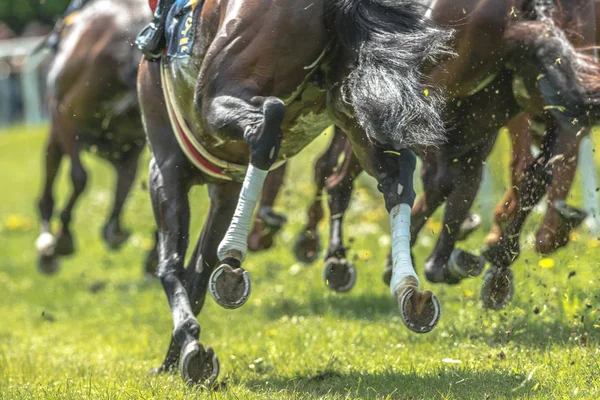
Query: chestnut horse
x,y
93,105
227,113
498,43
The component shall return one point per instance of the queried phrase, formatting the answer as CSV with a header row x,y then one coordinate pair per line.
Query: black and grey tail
x,y
387,43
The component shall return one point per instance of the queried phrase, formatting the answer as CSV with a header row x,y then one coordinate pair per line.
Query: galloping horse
x,y
499,44
222,107
560,219
93,105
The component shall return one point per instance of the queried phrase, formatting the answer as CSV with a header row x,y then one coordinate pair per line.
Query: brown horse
x,y
93,105
228,112
560,219
499,43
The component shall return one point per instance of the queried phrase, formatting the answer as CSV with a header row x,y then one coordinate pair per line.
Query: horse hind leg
x,y
46,242
308,242
339,273
420,310
65,243
126,169
259,122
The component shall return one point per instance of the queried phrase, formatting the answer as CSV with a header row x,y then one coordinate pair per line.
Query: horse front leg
x,y
258,121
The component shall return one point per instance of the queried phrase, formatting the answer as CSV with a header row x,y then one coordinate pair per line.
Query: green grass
x,y
96,328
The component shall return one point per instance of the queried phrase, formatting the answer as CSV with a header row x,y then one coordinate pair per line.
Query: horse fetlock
x,y
504,252
187,330
270,218
434,271
45,243
230,287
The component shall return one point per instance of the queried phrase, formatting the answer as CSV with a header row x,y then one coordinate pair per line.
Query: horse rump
x,y
387,43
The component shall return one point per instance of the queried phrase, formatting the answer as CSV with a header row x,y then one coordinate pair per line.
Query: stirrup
x,y
151,42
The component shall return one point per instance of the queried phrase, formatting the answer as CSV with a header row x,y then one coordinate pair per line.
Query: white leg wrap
x,y
402,263
45,243
235,242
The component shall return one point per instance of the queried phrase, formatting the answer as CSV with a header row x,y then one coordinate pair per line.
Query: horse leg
x,y
46,242
447,263
199,364
340,274
560,218
308,243
170,179
521,137
497,287
268,223
437,184
258,121
126,169
64,243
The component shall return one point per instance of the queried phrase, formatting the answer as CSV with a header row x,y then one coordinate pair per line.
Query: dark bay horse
x,y
228,113
499,44
93,105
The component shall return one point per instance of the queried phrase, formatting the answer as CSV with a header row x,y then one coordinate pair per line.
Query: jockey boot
x,y
151,40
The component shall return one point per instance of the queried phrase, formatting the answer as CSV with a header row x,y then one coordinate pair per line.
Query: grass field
x,y
96,328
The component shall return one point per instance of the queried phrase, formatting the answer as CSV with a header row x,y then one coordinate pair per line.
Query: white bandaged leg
x,y
45,243
401,261
235,242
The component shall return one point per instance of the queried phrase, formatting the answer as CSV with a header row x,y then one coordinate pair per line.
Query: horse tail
x,y
386,43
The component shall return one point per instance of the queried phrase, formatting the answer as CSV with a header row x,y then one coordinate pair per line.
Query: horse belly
x,y
306,118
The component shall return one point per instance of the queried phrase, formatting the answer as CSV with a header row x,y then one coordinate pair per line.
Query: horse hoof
x,y
435,272
572,216
420,311
114,237
230,287
308,247
64,244
463,265
339,274
48,264
469,225
199,365
498,288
